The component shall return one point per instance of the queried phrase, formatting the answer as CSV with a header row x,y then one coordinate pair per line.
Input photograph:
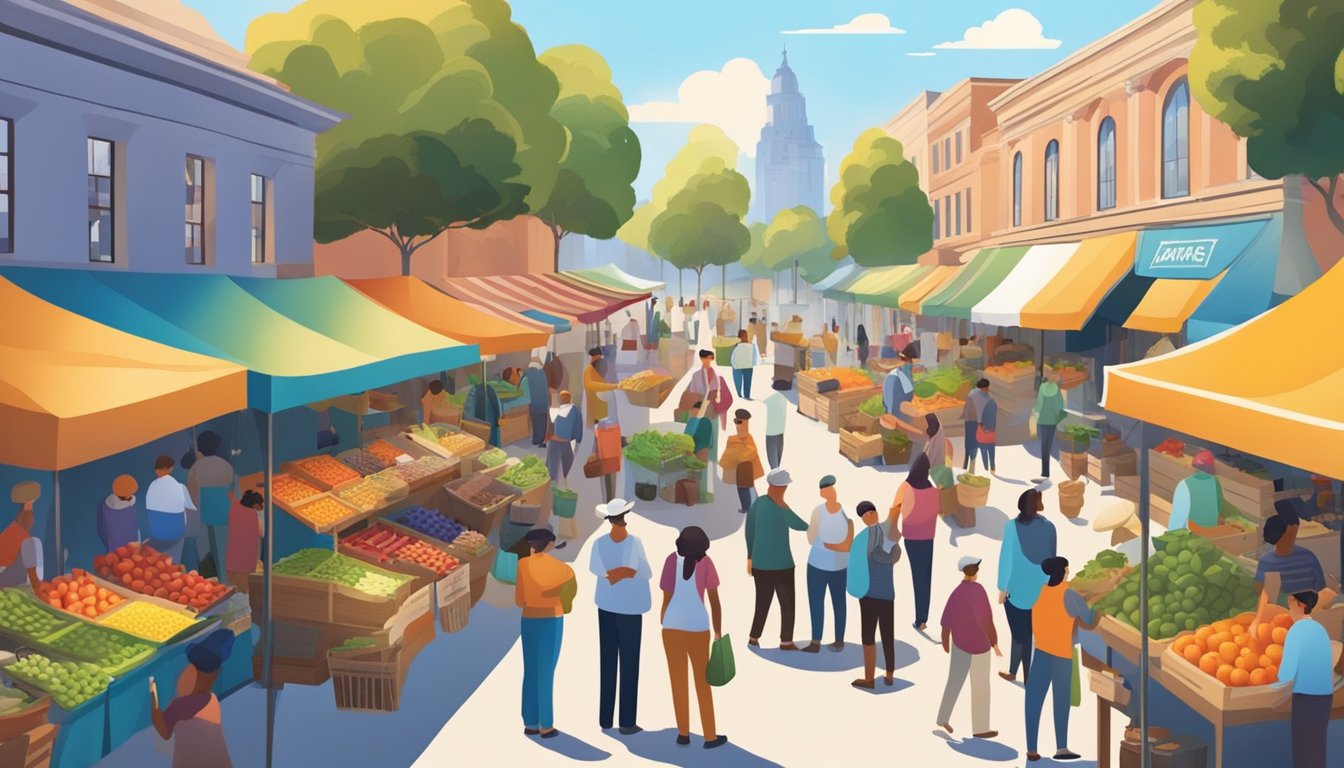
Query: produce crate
x,y
1073,464
1166,472
353,515
41,746
1230,538
455,613
483,519
1127,487
859,422
1125,640
479,429
651,397
453,581
299,598
858,447
1225,698
15,724
421,576
367,680
832,406
1159,510
514,426
296,469
287,506
1109,686
1253,496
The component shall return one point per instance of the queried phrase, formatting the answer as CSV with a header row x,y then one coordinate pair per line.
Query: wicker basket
x,y
456,613
972,496
367,680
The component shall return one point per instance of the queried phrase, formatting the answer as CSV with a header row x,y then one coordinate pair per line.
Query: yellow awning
x,y
1072,296
914,297
1169,303
1224,391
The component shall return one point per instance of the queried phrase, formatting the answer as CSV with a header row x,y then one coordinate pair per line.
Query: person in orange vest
x,y
1054,623
545,591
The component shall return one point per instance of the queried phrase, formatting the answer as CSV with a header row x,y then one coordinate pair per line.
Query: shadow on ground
x,y
568,746
833,661
980,749
989,522
661,746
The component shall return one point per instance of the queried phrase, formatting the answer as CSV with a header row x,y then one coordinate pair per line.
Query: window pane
x,y
4,173
4,135
969,228
957,215
258,188
935,158
958,146
100,157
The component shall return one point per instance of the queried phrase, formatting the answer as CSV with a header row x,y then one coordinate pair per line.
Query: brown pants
x,y
693,647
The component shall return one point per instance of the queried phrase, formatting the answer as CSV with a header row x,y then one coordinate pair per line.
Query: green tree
x,y
879,215
751,260
797,240
1273,70
449,114
593,194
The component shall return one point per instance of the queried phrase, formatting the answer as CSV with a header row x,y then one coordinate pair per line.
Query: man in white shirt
x,y
167,502
776,415
622,600
744,358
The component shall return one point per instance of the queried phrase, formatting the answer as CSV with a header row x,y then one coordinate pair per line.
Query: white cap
x,y
778,477
614,508
967,561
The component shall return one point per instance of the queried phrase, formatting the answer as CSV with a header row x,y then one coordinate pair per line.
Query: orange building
x,y
518,246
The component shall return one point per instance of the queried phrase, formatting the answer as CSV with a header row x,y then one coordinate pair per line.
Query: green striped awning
x,y
976,280
883,287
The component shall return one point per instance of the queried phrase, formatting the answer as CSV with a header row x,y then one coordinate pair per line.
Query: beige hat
x,y
25,492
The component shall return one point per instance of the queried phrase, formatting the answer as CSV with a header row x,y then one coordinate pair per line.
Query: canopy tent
x,y
557,324
1059,287
611,276
1286,413
976,280
836,284
492,329
74,391
912,299
1213,276
544,292
335,342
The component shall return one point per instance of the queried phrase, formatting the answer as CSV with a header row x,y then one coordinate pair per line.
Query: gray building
x,y
132,138
790,168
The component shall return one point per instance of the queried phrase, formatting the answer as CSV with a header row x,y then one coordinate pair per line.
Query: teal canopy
x,y
1193,253
560,324
1246,290
302,340
833,287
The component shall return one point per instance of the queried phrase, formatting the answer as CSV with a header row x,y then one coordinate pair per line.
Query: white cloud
x,y
921,53
732,98
863,24
1014,29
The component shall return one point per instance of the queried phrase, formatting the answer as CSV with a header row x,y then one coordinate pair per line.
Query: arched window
x,y
1176,141
1052,180
1106,165
1017,189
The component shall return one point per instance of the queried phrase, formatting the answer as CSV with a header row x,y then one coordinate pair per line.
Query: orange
x,y
1218,638
1246,652
1283,620
1244,663
1265,634
1241,640
1209,663
1274,652
1222,625
1238,677
1272,673
1259,677
1237,629
1224,674
1182,643
1279,635
1191,653
1245,618
1203,633
1229,652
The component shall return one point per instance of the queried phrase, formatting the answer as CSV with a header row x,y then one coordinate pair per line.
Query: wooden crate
x,y
298,598
1126,640
1252,496
1127,487
1224,698
836,405
353,515
483,519
1075,465
858,447
651,397
1105,470
1231,539
1109,686
1166,472
455,613
296,469
515,426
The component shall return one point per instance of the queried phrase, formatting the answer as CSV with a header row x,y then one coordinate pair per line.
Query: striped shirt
x,y
1298,571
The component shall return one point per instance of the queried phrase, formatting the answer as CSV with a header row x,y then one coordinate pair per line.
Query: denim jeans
x,y
774,450
618,636
742,382
987,456
541,652
1047,434
1019,629
920,554
819,582
971,446
1053,674
745,495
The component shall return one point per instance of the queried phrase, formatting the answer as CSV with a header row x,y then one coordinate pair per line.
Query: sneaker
x,y
812,648
1065,754
683,741
1008,677
629,730
718,741
1033,756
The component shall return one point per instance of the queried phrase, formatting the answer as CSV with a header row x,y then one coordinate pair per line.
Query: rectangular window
x,y
258,219
947,153
957,225
947,216
195,210
936,231
935,157
6,186
102,171
958,147
969,228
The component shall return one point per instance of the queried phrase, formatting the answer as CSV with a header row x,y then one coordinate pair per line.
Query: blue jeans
x,y
1054,674
541,652
987,456
920,554
971,446
742,382
818,583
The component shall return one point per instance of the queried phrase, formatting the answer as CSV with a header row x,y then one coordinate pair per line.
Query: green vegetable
x,y
872,406
1080,432
492,458
458,398
944,380
651,448
505,390
694,465
1101,566
975,481
356,643
526,474
896,437
340,569
303,562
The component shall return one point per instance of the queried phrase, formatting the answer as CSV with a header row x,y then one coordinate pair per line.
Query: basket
x,y
1071,498
456,613
1074,464
972,496
563,506
366,680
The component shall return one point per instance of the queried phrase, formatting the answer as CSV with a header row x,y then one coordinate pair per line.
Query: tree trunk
x,y
1328,195
559,235
406,252
724,281
795,281
681,288
699,273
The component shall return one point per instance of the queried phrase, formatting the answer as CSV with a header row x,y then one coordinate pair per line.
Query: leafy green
x,y
492,458
872,406
651,448
528,473
1100,566
1080,433
975,481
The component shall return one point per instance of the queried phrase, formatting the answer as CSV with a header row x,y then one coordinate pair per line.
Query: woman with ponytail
x,y
688,574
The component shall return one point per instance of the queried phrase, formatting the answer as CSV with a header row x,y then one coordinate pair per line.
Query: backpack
x,y
856,574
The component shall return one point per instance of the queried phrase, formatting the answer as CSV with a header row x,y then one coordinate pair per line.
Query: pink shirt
x,y
922,521
706,577
244,539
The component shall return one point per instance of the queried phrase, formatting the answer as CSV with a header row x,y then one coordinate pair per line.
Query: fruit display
x,y
461,443
323,512
492,458
303,562
472,542
1226,650
91,642
13,700
388,543
481,492
326,470
363,462
528,473
26,617
429,556
922,406
651,448
77,593
365,496
384,452
290,491
143,569
644,381
390,484
340,569
873,406
1192,583
431,523
70,683
849,378
1171,447
947,381
148,621
1010,369
975,481
419,470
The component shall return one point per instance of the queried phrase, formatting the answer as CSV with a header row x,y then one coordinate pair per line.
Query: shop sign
x,y
1199,252
1183,254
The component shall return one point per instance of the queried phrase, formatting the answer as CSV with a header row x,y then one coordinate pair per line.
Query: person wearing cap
x,y
1305,667
1055,619
968,637
20,550
594,384
741,461
744,359
776,418
869,579
622,599
1298,568
192,720
545,591
118,518
1198,499
769,559
830,534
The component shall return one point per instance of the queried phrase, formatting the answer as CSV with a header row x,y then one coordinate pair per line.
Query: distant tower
x,y
790,169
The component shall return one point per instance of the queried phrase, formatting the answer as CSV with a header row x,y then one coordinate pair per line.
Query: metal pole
x,y
56,514
1145,757
268,627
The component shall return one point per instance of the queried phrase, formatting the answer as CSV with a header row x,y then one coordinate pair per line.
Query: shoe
x,y
754,643
630,730
985,735
788,647
530,731
741,511
866,685
1008,677
1065,754
551,734
812,648
919,627
890,679
1033,756
604,727
945,727
718,741
838,645
683,741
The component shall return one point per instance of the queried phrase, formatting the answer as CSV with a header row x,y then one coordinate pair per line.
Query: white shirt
x,y
630,596
30,556
830,528
776,413
166,494
745,355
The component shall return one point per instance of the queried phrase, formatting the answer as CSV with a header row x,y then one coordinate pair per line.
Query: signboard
x,y
1194,253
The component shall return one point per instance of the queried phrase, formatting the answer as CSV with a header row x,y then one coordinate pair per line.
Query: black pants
x,y
769,585
1310,728
1047,435
1019,627
618,637
875,613
540,422
920,554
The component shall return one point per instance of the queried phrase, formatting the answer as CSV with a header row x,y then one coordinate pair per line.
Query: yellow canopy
x,y
491,328
73,390
914,297
1169,303
1226,390
1071,297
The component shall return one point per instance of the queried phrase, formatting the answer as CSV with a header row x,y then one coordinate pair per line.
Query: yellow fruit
x,y
148,621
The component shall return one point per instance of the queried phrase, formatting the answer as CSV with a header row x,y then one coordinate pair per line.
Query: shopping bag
x,y
1076,687
722,669
505,568
942,476
569,590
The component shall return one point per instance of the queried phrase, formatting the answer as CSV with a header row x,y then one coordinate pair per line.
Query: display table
x,y
789,359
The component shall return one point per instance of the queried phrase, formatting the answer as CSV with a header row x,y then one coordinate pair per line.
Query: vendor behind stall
x,y
1297,568
118,518
594,384
192,720
20,550
1198,499
483,405
899,386
434,403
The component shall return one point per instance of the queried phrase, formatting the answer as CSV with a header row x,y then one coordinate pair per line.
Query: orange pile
x,y
78,594
385,451
148,571
1226,650
849,378
940,401
325,469
290,490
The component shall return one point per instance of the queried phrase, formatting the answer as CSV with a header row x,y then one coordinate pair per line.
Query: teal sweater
x,y
768,526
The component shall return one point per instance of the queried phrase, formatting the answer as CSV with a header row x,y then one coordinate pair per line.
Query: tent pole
x,y
56,514
268,627
1145,670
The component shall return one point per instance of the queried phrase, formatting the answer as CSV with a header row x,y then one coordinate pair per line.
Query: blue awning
x,y
560,324
1245,291
1193,253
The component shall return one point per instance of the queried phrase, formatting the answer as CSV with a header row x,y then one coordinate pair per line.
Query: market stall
x,y
829,394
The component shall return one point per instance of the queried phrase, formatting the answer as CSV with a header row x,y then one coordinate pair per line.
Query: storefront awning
x,y
884,286
421,303
1213,276
1070,296
835,285
611,276
912,299
557,324
1003,305
976,280
74,391
544,292
1223,390
302,340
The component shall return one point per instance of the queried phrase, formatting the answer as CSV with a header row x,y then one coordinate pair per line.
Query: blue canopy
x,y
560,324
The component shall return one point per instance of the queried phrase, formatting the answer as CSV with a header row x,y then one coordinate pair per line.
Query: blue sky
x,y
852,81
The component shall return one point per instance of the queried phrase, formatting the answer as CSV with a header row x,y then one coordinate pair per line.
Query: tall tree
x,y
879,215
593,194
449,114
797,240
1273,70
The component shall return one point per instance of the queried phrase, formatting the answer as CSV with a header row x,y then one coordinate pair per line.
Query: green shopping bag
x,y
1076,688
721,668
